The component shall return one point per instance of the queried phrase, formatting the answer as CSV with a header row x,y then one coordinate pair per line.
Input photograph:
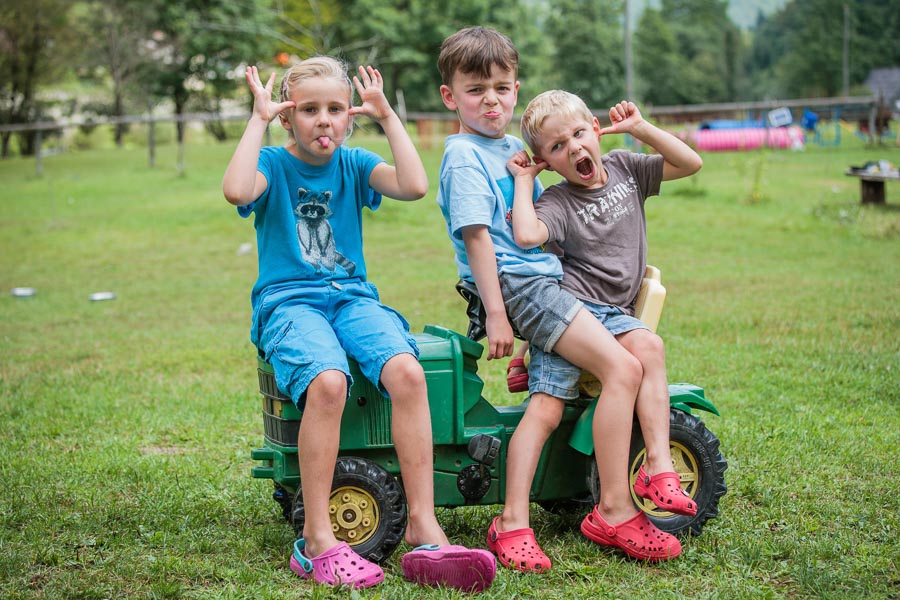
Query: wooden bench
x,y
871,183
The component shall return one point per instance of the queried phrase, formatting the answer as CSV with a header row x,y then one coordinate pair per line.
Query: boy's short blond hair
x,y
476,50
326,67
550,103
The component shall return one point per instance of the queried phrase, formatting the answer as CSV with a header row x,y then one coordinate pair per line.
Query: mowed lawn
x,y
126,425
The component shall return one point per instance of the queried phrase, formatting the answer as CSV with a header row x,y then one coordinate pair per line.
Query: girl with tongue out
x,y
313,307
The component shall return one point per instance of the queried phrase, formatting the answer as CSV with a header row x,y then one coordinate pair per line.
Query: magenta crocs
x,y
466,569
336,567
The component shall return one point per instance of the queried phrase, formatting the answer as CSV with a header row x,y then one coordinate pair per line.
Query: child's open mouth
x,y
585,168
325,141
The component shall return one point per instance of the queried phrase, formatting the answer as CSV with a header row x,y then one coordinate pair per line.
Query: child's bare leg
x,y
653,398
589,345
404,381
317,449
541,418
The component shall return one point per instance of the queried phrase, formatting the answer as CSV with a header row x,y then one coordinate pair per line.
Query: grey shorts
x,y
551,374
539,308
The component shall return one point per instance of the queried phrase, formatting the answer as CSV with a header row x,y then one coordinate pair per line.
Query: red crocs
x,y
519,381
664,490
517,549
637,536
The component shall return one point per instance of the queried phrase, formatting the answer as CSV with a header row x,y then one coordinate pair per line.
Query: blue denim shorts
x,y
551,374
315,329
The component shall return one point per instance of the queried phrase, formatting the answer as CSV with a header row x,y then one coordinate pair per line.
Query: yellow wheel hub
x,y
683,463
354,514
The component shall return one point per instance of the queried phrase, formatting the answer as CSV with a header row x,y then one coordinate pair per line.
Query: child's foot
x,y
664,490
517,376
338,566
470,570
638,537
517,549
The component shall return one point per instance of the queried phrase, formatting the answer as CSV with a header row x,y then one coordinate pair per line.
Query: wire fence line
x,y
430,124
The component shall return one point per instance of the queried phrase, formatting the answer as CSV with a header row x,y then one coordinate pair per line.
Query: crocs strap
x,y
429,547
304,562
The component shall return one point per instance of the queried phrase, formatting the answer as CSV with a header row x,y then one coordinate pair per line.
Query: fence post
x,y
37,153
151,137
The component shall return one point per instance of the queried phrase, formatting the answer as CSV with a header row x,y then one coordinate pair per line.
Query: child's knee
x,y
404,372
328,390
629,372
547,409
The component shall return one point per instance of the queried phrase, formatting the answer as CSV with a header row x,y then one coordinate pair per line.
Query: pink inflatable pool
x,y
746,139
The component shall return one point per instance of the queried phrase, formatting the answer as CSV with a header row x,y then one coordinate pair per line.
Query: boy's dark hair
x,y
476,50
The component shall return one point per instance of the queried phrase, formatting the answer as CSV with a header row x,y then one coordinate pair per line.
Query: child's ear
x,y
537,158
447,97
284,121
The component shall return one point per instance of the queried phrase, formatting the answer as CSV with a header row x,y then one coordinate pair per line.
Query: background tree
x,y
34,41
114,36
705,58
587,60
798,51
196,48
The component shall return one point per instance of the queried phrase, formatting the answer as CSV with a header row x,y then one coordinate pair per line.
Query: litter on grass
x,y
23,292
97,296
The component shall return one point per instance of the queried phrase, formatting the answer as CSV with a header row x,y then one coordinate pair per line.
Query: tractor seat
x,y
475,311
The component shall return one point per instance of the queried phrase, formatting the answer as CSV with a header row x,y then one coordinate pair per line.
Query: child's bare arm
x,y
680,159
242,183
528,230
406,180
483,262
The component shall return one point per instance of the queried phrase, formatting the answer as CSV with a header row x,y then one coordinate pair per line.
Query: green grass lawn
x,y
126,425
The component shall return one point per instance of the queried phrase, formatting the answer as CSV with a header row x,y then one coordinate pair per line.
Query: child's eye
x,y
556,147
579,132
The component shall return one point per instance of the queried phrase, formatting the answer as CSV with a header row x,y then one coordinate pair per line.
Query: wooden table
x,y
871,184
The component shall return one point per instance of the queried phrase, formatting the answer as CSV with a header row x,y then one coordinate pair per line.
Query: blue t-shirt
x,y
476,188
309,221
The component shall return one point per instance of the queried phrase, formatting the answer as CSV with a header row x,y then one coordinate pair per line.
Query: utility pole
x,y
629,73
846,61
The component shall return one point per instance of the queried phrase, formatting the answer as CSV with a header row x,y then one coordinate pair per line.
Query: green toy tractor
x,y
471,437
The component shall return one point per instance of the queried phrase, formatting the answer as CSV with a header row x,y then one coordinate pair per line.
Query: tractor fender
x,y
682,396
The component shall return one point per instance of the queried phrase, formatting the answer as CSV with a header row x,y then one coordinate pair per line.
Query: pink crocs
x,y
470,570
336,567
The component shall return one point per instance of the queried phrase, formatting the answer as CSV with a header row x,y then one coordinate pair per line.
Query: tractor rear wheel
x,y
367,507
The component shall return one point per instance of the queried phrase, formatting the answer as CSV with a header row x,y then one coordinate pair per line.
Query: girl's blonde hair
x,y
316,66
326,67
553,102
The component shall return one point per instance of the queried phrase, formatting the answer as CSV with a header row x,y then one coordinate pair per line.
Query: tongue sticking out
x,y
325,141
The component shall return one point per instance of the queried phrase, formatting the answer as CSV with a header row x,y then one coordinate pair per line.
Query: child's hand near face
x,y
520,165
624,117
370,86
263,105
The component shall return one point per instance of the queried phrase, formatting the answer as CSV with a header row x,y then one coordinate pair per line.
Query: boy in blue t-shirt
x,y
478,68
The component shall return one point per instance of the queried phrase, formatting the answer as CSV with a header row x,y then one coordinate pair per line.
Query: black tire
x,y
699,463
368,508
